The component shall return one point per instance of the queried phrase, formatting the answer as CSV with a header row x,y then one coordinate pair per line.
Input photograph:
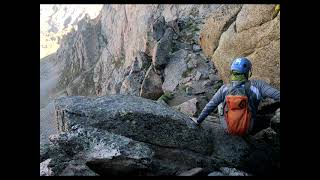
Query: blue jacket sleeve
x,y
269,91
213,103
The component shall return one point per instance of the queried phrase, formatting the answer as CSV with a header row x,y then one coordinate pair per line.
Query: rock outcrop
x,y
134,117
129,135
162,50
174,70
252,33
215,25
132,83
189,107
158,28
151,87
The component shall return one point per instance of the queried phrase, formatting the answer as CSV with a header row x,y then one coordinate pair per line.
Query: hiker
x,y
239,100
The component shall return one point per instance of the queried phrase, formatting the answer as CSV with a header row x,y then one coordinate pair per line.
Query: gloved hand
x,y
194,120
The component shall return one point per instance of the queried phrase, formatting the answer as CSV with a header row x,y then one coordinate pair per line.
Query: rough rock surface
x,y
162,50
133,82
174,70
134,117
232,149
275,122
215,25
189,107
92,151
47,123
253,34
44,169
191,172
151,87
87,149
225,171
158,28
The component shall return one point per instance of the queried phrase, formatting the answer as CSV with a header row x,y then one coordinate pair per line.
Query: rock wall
x,y
252,32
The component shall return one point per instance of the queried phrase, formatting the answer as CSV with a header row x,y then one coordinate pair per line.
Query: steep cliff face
x,y
129,29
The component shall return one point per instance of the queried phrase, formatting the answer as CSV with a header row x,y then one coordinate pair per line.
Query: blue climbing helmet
x,y
241,65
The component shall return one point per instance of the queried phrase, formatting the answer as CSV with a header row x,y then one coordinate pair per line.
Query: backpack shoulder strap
x,y
247,86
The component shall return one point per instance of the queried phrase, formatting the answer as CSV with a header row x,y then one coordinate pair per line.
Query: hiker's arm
x,y
213,103
269,91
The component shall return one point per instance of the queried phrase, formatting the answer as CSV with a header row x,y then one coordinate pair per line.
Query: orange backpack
x,y
237,109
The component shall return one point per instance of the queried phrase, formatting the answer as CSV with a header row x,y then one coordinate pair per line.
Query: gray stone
x,y
135,66
189,91
207,83
47,123
90,151
233,149
158,28
143,60
197,87
275,122
162,50
204,75
174,70
233,172
226,171
132,83
181,45
151,87
197,76
155,123
214,77
174,25
196,48
83,85
192,64
109,73
189,107
77,170
44,169
265,150
185,80
191,172
216,173
44,152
